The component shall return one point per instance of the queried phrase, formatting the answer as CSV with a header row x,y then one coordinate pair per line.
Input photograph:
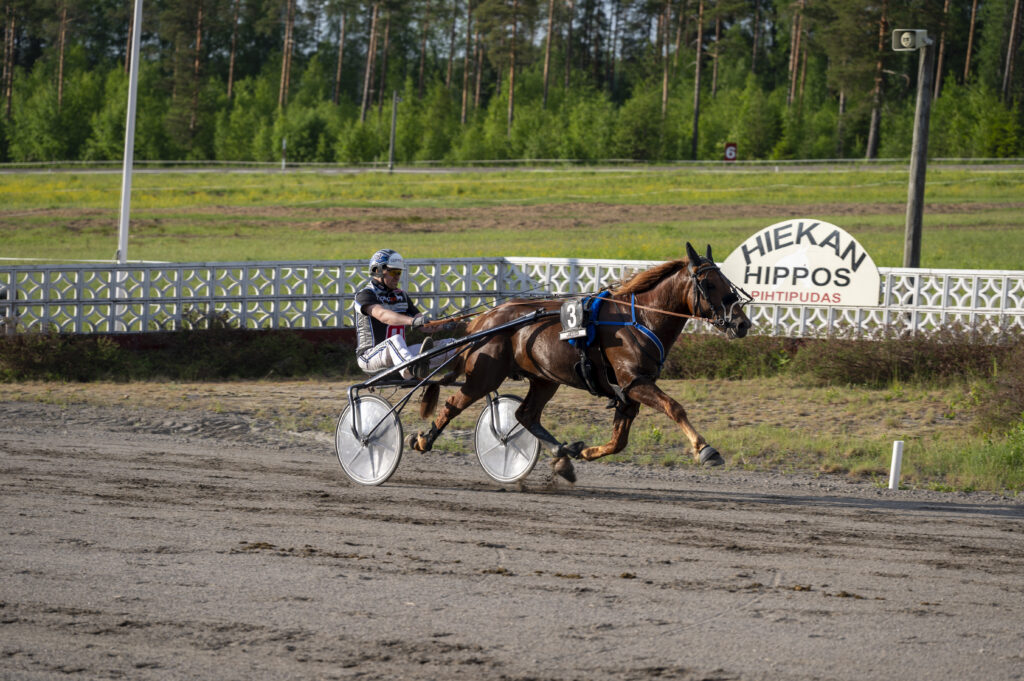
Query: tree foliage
x,y
795,79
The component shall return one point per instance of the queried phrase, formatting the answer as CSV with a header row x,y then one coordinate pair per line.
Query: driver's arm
x,y
389,317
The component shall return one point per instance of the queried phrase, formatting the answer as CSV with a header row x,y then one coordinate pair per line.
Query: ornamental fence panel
x,y
148,297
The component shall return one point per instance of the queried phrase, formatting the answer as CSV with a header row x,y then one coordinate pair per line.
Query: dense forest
x,y
651,80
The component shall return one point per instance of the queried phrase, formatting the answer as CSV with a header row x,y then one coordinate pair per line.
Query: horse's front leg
x,y
624,415
646,392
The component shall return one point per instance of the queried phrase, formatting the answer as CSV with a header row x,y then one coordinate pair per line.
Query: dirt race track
x,y
146,544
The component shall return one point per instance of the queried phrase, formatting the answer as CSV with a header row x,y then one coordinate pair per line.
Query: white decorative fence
x,y
139,298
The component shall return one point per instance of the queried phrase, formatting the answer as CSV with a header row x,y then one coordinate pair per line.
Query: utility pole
x,y
910,40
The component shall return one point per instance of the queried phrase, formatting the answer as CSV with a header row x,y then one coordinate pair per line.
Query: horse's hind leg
x,y
423,441
646,392
482,378
528,414
624,415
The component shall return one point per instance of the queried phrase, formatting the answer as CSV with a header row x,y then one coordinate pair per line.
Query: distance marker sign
x,y
804,262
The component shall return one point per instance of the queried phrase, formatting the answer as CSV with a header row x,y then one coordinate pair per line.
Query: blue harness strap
x,y
593,305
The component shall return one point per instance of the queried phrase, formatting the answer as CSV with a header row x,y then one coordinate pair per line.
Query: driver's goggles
x,y
393,271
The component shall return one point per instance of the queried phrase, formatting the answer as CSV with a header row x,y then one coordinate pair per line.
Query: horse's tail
x,y
428,403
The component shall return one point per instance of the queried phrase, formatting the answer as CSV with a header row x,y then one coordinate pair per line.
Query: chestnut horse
x,y
637,322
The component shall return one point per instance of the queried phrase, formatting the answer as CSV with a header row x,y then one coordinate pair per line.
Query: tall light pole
x,y
120,292
910,40
129,138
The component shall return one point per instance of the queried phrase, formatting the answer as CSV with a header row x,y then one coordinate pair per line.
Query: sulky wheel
x,y
507,452
369,447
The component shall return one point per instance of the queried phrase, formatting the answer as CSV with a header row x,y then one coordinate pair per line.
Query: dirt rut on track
x,y
151,544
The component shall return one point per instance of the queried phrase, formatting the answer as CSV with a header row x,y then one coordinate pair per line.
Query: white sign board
x,y
804,262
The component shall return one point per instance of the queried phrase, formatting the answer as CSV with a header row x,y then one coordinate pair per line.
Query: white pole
x,y
897,463
129,138
126,173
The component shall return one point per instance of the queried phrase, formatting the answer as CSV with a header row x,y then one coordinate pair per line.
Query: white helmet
x,y
384,259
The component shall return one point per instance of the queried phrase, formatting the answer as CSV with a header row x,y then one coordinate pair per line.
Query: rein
x,y
737,296
655,309
607,300
472,311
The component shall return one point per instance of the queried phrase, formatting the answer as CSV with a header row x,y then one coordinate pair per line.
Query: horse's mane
x,y
649,278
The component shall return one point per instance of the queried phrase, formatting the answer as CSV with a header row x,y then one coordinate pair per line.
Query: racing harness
x,y
579,318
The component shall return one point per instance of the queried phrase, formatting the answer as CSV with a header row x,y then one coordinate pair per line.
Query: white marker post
x,y
897,463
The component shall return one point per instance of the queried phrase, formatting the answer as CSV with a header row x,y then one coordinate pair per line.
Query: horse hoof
x,y
710,457
563,467
572,451
417,442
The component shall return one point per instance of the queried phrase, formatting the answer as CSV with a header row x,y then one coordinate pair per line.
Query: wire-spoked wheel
x,y
506,451
369,446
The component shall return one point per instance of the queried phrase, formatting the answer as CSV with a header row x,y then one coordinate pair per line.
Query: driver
x,y
383,311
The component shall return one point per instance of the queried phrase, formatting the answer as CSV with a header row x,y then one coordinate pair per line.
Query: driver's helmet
x,y
385,259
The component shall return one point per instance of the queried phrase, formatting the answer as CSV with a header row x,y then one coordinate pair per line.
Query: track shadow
x,y
815,501
752,499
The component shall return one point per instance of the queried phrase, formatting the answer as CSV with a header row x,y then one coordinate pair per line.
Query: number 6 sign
x,y
730,151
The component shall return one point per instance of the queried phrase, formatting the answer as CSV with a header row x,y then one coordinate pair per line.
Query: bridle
x,y
722,315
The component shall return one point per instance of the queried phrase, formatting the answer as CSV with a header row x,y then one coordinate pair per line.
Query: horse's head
x,y
715,297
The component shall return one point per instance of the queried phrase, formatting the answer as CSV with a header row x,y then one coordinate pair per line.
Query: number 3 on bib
x,y
573,324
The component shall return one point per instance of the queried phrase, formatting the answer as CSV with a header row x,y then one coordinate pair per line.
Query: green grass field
x,y
973,217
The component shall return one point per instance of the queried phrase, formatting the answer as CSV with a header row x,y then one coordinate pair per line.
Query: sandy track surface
x,y
143,543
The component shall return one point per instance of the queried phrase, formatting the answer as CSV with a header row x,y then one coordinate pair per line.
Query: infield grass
x,y
973,217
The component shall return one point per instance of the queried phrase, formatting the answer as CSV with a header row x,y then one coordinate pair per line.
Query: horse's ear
x,y
710,259
692,254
